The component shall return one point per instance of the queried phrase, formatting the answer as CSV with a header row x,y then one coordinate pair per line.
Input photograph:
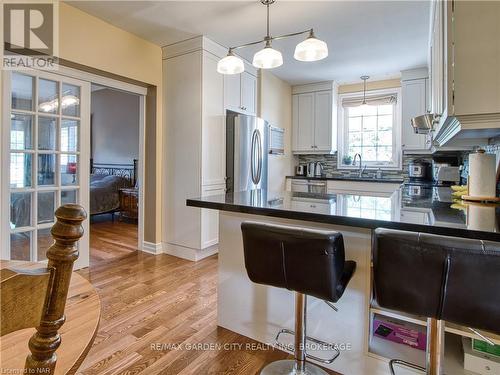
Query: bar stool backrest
x,y
302,260
440,277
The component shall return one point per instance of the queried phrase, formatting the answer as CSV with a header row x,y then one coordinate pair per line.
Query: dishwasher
x,y
309,186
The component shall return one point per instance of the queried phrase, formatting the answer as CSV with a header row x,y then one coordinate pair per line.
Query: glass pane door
x,y
49,118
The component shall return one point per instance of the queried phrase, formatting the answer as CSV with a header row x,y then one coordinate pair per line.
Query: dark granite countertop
x,y
425,209
347,178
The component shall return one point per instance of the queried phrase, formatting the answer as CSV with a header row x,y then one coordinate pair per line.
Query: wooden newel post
x,y
61,255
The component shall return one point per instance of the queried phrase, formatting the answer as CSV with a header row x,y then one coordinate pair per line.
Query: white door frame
x,y
108,82
129,88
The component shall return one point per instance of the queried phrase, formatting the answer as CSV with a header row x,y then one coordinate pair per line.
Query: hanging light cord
x,y
364,78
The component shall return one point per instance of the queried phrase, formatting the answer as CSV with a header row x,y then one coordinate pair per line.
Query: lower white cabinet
x,y
210,218
361,186
414,215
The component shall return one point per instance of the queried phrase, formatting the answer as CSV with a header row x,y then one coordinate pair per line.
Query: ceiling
x,y
376,38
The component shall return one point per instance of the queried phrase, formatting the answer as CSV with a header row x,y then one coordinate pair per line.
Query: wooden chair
x,y
37,297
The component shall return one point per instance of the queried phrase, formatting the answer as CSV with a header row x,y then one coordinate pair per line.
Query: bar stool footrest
x,y
402,363
308,338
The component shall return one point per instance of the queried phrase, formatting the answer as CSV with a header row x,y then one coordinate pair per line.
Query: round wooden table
x,y
83,311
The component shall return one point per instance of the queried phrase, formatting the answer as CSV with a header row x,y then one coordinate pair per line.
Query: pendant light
x,y
230,64
311,49
364,105
267,58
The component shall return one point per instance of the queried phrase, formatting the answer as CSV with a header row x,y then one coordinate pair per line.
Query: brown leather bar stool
x,y
442,278
308,262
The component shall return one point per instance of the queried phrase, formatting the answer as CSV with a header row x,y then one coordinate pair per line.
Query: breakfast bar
x,y
259,312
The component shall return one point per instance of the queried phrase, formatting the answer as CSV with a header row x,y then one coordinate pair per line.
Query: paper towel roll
x,y
482,175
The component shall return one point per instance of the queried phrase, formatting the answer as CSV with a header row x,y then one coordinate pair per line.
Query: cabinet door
x,y
248,93
210,218
232,92
213,126
323,121
413,104
304,121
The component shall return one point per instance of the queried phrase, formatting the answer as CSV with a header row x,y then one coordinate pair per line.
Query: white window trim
x,y
396,139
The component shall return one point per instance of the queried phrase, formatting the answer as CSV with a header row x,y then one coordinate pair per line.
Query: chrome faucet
x,y
361,167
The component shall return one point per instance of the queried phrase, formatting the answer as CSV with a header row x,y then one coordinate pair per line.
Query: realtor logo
x,y
29,35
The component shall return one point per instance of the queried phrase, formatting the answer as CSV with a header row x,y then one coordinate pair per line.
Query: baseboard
x,y
152,248
188,252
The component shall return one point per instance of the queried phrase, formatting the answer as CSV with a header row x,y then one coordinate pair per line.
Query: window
x,y
371,130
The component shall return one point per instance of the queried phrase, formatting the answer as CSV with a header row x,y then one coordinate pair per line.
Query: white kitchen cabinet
x,y
314,118
194,152
210,218
413,103
249,93
464,61
356,187
323,121
240,93
303,122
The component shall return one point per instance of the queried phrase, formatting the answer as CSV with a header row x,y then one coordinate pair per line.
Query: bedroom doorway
x,y
114,184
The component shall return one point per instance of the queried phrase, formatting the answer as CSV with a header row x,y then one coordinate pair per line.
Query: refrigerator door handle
x,y
259,144
255,180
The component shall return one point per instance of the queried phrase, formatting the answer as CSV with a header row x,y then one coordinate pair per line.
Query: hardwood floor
x,y
111,240
155,310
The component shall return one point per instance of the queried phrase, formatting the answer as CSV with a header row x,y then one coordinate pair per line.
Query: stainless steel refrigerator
x,y
247,145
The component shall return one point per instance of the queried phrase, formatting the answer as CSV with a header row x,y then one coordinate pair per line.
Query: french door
x,y
45,147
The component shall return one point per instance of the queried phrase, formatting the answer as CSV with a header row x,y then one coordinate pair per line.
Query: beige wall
x,y
275,106
89,41
373,85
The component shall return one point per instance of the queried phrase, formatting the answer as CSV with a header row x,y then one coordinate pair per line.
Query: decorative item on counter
x,y
482,177
347,160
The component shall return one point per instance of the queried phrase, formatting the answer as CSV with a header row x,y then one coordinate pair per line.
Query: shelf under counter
x,y
422,321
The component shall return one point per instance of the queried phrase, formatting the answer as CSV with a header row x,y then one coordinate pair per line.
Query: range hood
x,y
423,124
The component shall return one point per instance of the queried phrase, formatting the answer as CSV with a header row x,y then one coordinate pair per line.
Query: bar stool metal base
x,y
287,367
317,342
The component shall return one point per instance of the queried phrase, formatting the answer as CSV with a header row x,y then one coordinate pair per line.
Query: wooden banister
x,y
61,255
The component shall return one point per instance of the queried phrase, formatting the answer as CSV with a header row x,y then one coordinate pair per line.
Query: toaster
x,y
447,174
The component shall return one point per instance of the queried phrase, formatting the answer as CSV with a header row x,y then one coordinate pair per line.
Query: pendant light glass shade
x,y
230,64
311,49
267,58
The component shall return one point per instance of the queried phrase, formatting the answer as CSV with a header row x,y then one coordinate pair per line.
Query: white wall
x,y
275,106
115,126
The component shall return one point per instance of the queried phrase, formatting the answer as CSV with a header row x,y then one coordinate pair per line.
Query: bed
x,y
106,180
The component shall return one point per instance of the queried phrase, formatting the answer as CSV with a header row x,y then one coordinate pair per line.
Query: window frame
x,y
343,135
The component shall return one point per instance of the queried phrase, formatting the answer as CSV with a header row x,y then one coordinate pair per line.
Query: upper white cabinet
x,y
314,115
414,102
464,61
240,92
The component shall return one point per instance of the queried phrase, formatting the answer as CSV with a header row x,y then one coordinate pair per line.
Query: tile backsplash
x,y
330,166
330,163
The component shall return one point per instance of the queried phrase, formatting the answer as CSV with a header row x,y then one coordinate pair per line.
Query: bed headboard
x,y
129,171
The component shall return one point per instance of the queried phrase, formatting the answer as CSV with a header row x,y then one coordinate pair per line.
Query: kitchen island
x,y
259,311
